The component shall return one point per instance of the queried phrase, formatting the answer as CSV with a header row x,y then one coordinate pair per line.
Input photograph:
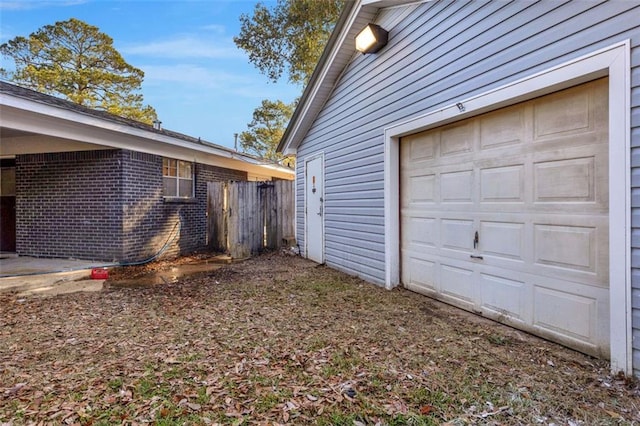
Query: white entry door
x,y
314,208
506,214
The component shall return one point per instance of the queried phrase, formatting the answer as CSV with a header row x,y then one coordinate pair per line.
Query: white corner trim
x,y
620,211
613,61
391,208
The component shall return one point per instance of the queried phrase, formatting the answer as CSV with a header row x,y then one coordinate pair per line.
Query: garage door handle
x,y
476,257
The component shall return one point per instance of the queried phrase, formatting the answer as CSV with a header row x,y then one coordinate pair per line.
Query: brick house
x,y
85,184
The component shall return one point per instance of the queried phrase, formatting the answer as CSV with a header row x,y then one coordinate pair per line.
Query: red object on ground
x,y
99,273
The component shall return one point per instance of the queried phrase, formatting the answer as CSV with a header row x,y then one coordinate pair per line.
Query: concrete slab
x,y
64,288
26,273
25,265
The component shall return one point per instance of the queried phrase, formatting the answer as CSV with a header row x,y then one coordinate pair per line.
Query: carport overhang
x,y
30,126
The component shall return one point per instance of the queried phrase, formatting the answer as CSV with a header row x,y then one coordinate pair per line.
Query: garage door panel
x,y
457,283
572,175
587,328
422,189
570,247
569,111
457,234
502,128
456,186
457,138
423,147
504,296
424,232
575,248
502,184
565,180
502,239
532,180
421,273
550,313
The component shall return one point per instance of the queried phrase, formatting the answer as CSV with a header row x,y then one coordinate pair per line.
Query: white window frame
x,y
614,62
178,178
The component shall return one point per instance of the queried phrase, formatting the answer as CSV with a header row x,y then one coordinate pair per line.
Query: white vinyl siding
x,y
440,53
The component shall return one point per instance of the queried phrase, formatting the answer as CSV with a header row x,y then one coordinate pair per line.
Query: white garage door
x,y
506,214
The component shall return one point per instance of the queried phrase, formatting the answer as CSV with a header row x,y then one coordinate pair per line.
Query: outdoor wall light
x,y
371,39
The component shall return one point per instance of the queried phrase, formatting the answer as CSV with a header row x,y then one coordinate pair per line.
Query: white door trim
x,y
306,227
613,61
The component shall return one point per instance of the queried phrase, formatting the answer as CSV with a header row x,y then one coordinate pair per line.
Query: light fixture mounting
x,y
371,39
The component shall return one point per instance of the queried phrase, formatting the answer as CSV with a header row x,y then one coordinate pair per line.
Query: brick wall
x,y
68,205
152,222
107,205
143,217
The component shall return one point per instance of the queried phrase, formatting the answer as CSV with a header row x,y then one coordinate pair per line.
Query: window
x,y
177,178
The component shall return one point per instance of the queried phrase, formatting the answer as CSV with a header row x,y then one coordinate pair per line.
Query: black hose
x,y
111,265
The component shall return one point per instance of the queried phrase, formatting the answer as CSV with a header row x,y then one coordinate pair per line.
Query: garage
x,y
506,214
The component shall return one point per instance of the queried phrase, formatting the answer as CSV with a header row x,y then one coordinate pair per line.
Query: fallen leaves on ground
x,y
280,340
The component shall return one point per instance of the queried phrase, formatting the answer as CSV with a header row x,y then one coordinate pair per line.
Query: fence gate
x,y
248,217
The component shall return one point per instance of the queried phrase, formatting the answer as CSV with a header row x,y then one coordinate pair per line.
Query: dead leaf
x,y
15,389
426,410
226,347
194,406
613,414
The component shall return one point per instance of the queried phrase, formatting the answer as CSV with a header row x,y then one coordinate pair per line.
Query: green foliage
x,y
78,62
266,129
288,37
115,384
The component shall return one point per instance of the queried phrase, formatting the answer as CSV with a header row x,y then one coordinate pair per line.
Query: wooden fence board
x,y
216,205
254,216
286,209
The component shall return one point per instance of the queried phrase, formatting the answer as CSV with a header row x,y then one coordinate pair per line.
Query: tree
x,y
266,130
289,37
78,62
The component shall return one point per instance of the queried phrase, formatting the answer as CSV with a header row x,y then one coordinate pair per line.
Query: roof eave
x,y
336,56
351,8
59,112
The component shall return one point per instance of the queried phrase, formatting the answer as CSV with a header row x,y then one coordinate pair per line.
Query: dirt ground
x,y
280,340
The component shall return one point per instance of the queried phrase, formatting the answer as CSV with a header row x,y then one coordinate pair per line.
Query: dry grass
x,y
278,340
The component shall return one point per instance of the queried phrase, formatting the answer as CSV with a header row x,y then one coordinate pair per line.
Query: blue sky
x,y
195,77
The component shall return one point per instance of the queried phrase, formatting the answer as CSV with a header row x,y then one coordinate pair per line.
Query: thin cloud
x,y
184,47
202,79
215,28
37,4
191,75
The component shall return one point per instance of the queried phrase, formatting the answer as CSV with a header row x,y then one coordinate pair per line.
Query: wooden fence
x,y
248,217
